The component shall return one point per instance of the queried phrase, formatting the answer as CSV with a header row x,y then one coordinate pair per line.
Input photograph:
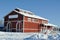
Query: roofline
x,y
24,10
32,17
49,24
15,11
24,15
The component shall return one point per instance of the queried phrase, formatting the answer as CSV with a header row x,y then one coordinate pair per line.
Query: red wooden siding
x,y
20,17
28,26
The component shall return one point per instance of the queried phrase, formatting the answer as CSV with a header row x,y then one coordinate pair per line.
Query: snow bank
x,y
27,36
14,36
41,36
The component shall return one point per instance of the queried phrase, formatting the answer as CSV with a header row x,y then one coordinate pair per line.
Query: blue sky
x,y
49,9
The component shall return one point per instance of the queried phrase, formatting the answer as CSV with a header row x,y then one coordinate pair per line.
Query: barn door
x,y
18,27
8,27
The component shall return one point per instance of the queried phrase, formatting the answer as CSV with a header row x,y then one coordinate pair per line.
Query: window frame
x,y
29,19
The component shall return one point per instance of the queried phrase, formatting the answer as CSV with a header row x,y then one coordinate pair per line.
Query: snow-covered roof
x,y
24,10
49,24
29,14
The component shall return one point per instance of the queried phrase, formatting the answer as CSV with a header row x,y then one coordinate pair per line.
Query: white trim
x,y
13,16
9,22
16,26
7,25
49,24
13,21
31,21
23,24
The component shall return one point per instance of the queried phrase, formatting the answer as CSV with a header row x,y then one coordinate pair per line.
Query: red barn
x,y
20,20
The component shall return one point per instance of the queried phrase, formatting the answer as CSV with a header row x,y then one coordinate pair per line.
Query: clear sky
x,y
49,9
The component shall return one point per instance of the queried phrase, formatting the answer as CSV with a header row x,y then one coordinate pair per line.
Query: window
x,y
44,21
33,20
29,19
36,20
13,16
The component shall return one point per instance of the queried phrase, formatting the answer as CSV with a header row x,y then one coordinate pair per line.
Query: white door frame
x,y
9,23
18,22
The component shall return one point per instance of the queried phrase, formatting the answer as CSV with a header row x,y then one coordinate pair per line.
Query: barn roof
x,y
49,24
28,13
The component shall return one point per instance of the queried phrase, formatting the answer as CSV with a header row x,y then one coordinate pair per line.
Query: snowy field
x,y
14,35
28,36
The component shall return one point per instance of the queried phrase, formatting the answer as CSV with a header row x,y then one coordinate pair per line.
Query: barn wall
x,y
6,19
29,26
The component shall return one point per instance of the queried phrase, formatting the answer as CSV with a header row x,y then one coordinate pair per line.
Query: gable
x,y
13,13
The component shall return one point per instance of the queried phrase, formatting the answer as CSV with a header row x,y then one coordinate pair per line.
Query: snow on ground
x,y
41,36
15,35
27,36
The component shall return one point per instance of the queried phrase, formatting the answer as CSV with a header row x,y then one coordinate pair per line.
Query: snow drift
x,y
28,36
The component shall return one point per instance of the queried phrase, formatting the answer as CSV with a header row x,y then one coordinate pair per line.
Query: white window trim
x,y
29,19
13,16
